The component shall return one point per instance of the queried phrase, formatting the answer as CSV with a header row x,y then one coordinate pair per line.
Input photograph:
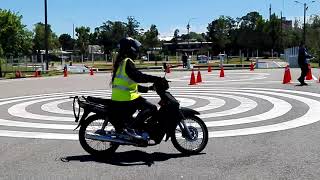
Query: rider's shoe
x,y
132,133
101,132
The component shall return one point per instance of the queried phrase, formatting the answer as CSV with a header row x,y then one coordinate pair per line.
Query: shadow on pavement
x,y
129,158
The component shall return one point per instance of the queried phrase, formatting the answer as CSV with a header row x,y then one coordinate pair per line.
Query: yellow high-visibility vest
x,y
123,88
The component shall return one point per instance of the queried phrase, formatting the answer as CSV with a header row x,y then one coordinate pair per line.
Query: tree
x,y
14,37
27,44
313,37
93,38
176,34
151,37
176,37
272,29
83,34
1,52
67,43
132,27
110,33
251,33
251,21
219,32
39,38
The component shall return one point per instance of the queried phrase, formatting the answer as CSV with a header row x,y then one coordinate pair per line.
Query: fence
x,y
291,56
24,64
34,62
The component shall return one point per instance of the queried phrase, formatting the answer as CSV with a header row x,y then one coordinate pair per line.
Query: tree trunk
x,y
0,68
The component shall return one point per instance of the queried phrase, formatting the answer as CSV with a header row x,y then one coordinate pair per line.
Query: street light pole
x,y
304,22
305,8
46,34
188,28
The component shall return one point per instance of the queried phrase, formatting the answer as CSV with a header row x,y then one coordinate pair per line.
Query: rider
x,y
125,89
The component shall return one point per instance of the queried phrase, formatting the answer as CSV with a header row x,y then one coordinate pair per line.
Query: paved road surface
x,y
259,129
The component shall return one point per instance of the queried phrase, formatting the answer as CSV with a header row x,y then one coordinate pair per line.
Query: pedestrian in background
x,y
303,64
184,60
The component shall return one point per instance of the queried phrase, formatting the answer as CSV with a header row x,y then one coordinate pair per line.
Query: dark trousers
x,y
184,63
122,111
304,70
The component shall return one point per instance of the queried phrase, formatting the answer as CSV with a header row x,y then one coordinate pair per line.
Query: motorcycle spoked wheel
x,y
94,147
197,142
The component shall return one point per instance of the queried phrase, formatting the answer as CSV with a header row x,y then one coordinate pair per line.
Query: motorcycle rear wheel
x,y
199,133
95,147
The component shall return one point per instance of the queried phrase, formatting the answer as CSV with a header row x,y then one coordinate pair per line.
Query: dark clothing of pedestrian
x,y
184,60
303,64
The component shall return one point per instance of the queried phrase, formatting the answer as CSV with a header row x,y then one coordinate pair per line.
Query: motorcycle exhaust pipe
x,y
108,138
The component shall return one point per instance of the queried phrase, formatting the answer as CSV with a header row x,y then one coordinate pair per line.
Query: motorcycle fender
x,y
185,112
188,111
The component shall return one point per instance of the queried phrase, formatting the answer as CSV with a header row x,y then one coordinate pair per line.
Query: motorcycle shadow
x,y
128,158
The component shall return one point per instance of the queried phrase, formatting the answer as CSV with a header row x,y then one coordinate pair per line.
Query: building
x,y
191,47
286,24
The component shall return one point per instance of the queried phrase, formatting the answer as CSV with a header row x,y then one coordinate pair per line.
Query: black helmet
x,y
129,47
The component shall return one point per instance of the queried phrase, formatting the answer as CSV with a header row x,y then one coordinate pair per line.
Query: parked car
x,y
144,58
202,59
78,69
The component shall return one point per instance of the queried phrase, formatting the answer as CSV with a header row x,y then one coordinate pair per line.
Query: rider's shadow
x,y
128,158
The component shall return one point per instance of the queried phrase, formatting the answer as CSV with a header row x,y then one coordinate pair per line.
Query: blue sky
x,y
167,15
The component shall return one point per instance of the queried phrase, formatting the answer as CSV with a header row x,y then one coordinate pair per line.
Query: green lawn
x,y
314,65
172,61
29,71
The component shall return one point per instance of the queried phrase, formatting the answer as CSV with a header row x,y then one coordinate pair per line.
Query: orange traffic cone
x,y
209,68
168,69
221,71
91,72
251,67
192,79
309,74
36,74
287,75
65,73
199,79
18,74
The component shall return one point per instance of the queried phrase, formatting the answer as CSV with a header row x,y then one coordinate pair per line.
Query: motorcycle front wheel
x,y
93,124
195,143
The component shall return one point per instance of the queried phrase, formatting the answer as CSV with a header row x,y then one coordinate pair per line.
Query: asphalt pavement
x,y
259,128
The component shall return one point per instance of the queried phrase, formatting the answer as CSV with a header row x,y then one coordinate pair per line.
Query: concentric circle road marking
x,y
208,98
253,76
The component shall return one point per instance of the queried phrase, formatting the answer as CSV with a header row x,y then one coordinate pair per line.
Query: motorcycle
x,y
98,133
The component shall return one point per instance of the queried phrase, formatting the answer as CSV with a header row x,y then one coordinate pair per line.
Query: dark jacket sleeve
x,y
308,55
143,89
137,75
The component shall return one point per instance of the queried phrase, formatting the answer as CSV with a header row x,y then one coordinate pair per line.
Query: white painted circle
x,y
280,108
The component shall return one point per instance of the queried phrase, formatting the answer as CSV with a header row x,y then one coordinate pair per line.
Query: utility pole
x,y
74,42
270,13
305,8
46,35
281,24
304,22
0,68
188,28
